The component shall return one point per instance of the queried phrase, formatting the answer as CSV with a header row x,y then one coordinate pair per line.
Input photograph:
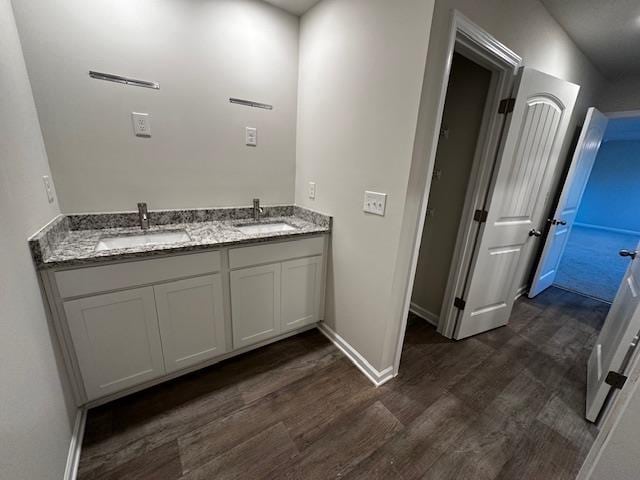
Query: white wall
x,y
620,95
201,53
35,427
620,456
361,68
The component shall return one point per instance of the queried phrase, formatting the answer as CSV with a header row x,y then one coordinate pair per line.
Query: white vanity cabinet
x,y
116,340
124,326
279,295
191,319
255,304
301,292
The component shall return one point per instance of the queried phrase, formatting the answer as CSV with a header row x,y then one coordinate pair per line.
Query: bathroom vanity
x,y
132,309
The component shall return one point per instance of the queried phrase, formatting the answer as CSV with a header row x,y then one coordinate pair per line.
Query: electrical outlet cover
x,y
312,190
141,124
375,203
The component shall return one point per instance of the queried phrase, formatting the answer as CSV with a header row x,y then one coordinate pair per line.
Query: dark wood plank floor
x,y
507,404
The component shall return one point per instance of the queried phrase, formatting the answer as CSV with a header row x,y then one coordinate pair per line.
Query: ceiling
x,y
625,128
607,31
297,7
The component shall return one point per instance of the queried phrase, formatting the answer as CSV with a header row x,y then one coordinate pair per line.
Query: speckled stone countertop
x,y
71,240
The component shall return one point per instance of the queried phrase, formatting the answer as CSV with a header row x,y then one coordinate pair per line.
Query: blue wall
x,y
612,196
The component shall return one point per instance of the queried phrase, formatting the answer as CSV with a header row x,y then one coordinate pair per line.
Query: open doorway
x,y
501,130
607,219
467,92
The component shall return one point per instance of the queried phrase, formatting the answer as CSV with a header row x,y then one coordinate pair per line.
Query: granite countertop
x,y
72,240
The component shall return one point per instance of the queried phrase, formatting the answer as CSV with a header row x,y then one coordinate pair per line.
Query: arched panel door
x,y
534,133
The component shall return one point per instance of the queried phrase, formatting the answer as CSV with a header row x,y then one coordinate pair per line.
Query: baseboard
x,y
377,377
73,458
424,314
607,229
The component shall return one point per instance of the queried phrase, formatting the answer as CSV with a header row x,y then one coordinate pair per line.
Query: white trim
x,y
623,114
521,291
73,457
424,314
377,377
461,32
607,229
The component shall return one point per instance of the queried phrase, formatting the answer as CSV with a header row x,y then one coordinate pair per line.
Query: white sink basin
x,y
152,238
256,228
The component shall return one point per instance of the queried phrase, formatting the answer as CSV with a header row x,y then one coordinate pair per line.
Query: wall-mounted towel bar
x,y
110,77
250,103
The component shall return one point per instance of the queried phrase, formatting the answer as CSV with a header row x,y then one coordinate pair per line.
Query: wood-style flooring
x,y
507,404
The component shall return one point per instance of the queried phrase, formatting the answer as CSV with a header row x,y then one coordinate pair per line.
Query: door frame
x,y
478,45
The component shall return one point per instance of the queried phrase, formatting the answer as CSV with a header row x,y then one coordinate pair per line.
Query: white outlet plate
x,y
375,203
48,188
312,190
141,124
251,136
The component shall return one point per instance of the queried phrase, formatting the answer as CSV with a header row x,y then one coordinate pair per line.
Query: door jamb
x,y
468,37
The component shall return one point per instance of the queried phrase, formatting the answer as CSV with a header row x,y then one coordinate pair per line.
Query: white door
x,y
191,317
529,152
565,214
300,292
255,304
116,340
617,334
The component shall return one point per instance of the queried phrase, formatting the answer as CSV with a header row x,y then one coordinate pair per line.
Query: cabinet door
x,y
116,340
300,292
190,313
255,304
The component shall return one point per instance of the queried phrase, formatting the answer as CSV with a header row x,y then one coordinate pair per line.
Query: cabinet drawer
x,y
275,252
89,280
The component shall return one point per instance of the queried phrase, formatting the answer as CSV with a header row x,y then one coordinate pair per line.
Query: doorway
x,y
607,220
465,104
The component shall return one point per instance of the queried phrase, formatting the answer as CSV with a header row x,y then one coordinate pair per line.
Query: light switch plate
x,y
375,202
141,124
251,136
48,188
312,190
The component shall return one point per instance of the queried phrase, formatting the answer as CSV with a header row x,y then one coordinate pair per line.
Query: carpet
x,y
591,265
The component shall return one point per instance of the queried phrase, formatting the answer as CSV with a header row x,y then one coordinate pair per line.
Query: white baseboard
x,y
377,377
73,458
425,314
607,229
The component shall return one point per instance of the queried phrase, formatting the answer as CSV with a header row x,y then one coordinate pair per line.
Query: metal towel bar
x,y
110,77
250,103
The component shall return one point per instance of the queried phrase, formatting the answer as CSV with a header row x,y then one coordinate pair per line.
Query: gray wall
x,y
462,117
361,68
620,95
35,424
201,53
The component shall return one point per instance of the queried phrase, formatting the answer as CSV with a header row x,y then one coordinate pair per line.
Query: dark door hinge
x,y
459,303
480,216
506,105
615,379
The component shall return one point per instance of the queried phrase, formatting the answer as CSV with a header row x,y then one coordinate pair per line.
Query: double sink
x,y
178,236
